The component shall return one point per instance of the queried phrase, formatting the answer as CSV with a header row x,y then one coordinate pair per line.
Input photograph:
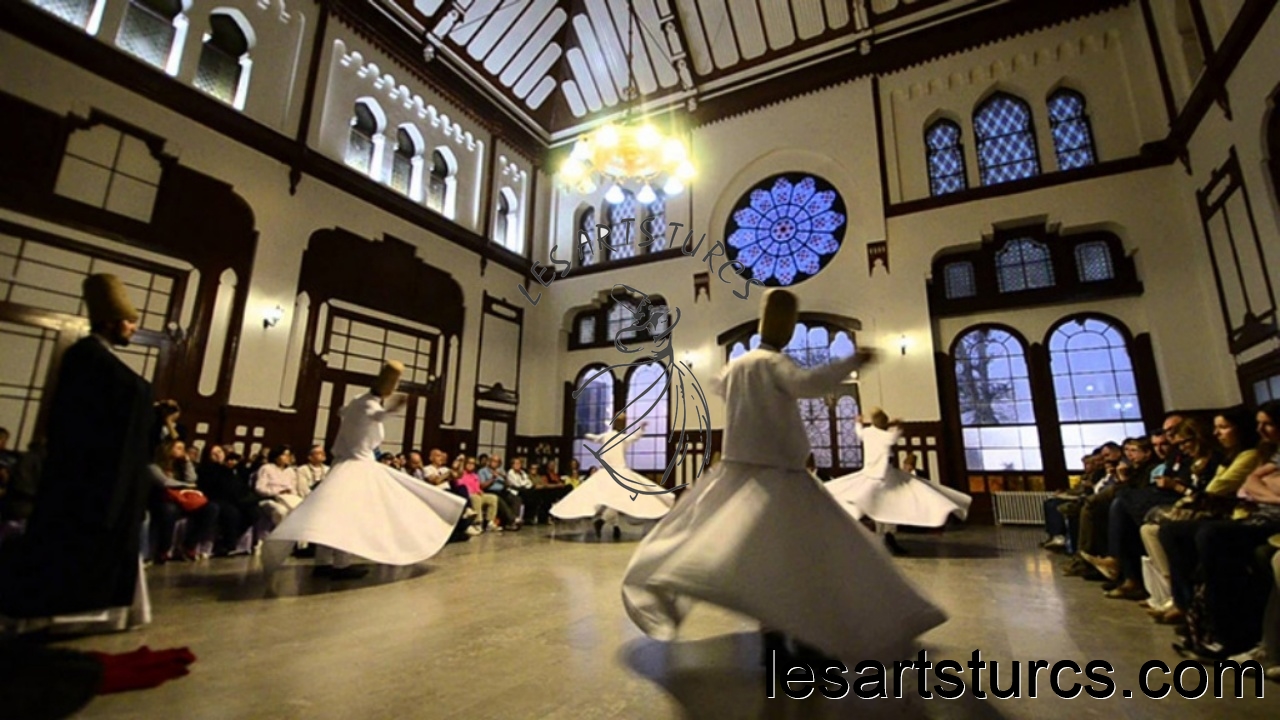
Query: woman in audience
x,y
573,478
277,484
176,496
1236,439
237,503
484,504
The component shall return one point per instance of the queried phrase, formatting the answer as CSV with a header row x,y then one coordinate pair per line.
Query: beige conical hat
x,y
389,378
107,299
778,317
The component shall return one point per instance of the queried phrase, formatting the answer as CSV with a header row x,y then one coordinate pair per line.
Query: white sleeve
x,y
716,383
817,382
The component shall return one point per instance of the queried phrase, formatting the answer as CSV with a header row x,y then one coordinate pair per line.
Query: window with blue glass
x,y
1023,264
656,216
592,410
946,158
624,226
1093,262
1072,135
587,225
786,228
1006,141
959,279
997,415
1094,384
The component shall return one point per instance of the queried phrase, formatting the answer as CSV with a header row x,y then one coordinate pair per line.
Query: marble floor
x,y
520,625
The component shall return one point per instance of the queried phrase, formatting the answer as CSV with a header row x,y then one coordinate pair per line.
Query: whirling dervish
x,y
364,508
603,499
760,536
889,495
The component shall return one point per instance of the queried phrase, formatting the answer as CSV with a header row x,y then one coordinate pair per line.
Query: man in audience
x,y
493,481
414,466
81,550
438,473
312,474
520,486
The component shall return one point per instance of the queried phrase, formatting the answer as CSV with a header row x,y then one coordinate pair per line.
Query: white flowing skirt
x,y
370,510
899,499
600,493
772,544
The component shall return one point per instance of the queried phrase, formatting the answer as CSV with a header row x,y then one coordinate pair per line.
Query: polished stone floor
x,y
513,626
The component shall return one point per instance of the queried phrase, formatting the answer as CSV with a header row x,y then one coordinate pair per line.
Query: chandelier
x,y
627,153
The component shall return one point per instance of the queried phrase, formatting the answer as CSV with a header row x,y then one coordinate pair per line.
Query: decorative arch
x,y
506,222
1004,130
442,186
944,155
645,386
406,162
584,221
225,66
366,139
592,409
992,376
155,31
1072,130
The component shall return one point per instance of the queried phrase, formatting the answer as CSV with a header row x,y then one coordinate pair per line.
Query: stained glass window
x,y
402,162
621,316
1023,264
786,228
360,147
946,158
1093,262
623,226
75,12
592,412
506,227
827,422
656,211
959,280
1094,384
1006,143
996,411
221,56
586,252
587,330
647,392
1072,135
438,182
149,29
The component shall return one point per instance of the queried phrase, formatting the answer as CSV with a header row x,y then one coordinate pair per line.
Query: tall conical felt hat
x,y
778,318
107,299
389,378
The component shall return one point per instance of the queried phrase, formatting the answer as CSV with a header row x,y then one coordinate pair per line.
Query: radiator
x,y
1019,508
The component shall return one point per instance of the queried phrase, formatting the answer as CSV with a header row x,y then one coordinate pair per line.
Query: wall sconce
x,y
903,344
272,317
688,357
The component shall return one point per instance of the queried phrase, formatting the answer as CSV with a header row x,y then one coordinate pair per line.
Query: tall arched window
x,y
402,162
155,31
1094,384
1072,135
587,226
1006,141
647,393
364,142
438,182
592,411
946,158
1023,264
994,397
656,212
84,14
506,227
224,66
623,226
827,421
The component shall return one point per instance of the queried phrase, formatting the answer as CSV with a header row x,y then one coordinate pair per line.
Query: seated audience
x,y
174,496
312,474
548,489
493,481
520,487
237,503
573,478
277,485
484,504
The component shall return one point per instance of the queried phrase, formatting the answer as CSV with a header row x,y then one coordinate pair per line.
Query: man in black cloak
x,y
79,555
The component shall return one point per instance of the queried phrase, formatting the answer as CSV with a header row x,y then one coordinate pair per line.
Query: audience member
x,y
175,496
484,504
277,485
313,473
519,487
237,503
493,481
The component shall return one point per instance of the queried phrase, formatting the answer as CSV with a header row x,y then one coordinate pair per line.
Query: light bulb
x,y
673,187
673,151
571,171
607,136
648,136
581,150
587,186
685,171
614,194
646,195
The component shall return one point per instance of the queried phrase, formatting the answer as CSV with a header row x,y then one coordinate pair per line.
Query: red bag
x,y
188,500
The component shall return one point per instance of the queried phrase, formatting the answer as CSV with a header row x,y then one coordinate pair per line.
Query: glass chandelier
x,y
627,153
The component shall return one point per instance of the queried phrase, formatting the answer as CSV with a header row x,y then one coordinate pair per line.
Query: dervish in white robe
x,y
600,497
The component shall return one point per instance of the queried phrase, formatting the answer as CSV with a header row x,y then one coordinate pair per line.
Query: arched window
x,y
994,397
84,14
1093,262
1072,135
402,163
592,411
827,422
623,226
224,66
946,158
1094,385
656,212
959,280
438,183
647,393
587,226
506,227
154,31
786,228
1023,264
1006,142
364,142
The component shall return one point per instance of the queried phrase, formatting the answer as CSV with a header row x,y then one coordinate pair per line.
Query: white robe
x,y
758,535
890,495
365,508
601,496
